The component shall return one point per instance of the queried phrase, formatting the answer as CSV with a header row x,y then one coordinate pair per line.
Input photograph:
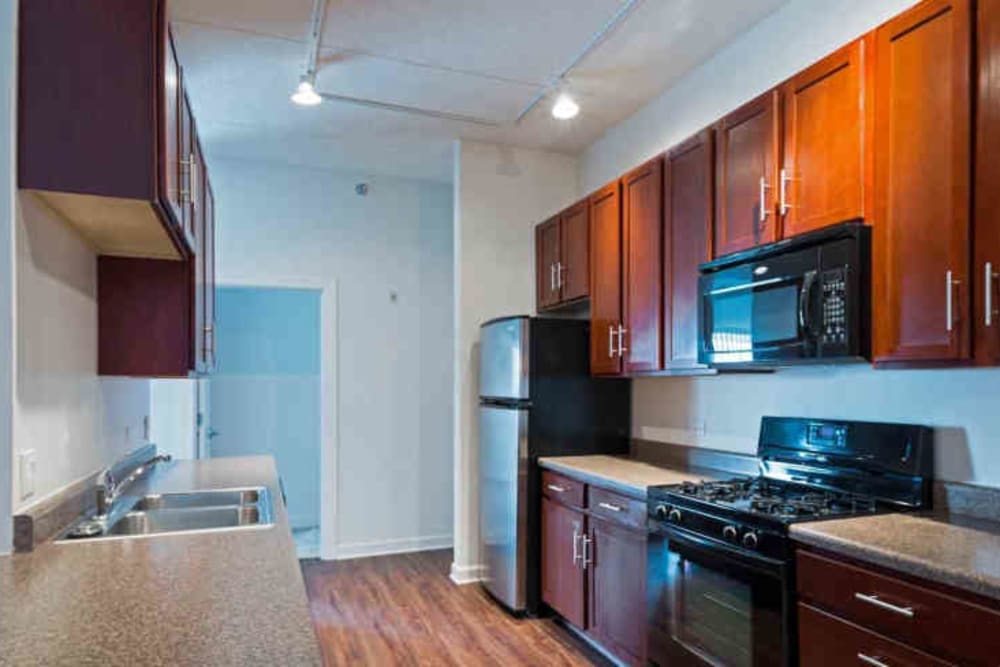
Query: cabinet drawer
x,y
828,640
617,508
562,488
958,629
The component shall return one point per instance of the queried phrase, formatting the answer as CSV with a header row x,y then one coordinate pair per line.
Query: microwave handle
x,y
805,319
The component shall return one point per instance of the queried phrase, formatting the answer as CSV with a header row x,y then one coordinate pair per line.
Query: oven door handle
x,y
707,549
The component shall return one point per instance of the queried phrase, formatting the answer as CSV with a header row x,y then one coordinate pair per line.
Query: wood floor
x,y
404,610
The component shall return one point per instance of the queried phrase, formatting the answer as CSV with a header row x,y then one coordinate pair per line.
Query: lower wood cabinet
x,y
849,609
594,563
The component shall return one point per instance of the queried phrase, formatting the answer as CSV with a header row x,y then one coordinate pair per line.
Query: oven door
x,y
713,604
760,312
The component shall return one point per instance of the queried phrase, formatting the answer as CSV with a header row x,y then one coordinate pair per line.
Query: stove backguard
x,y
890,462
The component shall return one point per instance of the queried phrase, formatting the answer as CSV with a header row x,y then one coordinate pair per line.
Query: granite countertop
x,y
949,549
223,598
618,473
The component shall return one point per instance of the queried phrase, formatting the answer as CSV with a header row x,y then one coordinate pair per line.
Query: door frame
x,y
329,397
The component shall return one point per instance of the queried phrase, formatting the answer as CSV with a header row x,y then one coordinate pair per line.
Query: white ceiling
x,y
480,58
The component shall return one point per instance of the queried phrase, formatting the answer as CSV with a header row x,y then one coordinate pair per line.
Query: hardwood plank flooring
x,y
404,610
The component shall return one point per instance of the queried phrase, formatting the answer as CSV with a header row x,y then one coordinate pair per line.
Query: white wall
x,y
278,225
724,412
173,412
500,194
8,49
75,421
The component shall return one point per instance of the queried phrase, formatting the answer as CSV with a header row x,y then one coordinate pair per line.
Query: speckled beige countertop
x,y
952,550
618,473
221,598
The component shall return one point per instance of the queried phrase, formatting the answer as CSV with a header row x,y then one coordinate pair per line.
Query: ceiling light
x,y
305,95
565,108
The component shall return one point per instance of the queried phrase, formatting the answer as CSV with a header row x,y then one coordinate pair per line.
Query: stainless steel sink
x,y
176,520
198,499
157,514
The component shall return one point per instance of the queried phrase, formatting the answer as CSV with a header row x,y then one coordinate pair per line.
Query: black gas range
x,y
720,562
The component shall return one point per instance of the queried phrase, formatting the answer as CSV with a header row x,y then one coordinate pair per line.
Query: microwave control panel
x,y
834,331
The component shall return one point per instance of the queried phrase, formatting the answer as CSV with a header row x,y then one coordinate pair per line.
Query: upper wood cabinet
x,y
606,280
642,307
826,168
687,228
562,261
986,266
97,88
747,176
922,185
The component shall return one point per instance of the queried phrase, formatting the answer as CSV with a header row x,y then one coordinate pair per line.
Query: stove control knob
x,y
674,515
660,511
750,540
730,533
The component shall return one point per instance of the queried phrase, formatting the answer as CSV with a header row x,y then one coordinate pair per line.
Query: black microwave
x,y
805,299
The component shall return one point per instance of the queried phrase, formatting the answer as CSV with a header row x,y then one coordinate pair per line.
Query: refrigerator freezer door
x,y
503,497
503,359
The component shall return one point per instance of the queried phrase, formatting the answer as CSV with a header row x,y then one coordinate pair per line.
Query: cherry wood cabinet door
x,y
618,589
922,189
642,226
208,329
688,197
171,132
187,145
605,280
986,267
747,174
197,232
574,251
547,263
826,126
563,578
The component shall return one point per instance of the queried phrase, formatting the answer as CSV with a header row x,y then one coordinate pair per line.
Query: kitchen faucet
x,y
116,477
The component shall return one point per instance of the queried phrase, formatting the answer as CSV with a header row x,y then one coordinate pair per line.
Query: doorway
x,y
265,396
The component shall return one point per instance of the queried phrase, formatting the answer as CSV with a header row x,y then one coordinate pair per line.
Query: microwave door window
x,y
731,334
775,315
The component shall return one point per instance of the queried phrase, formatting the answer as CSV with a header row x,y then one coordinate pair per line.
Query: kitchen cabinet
x,y
826,135
606,280
97,122
687,229
746,176
851,609
562,261
563,576
639,342
594,563
921,286
208,329
986,232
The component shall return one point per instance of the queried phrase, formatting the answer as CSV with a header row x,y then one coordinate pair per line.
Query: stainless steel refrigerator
x,y
536,398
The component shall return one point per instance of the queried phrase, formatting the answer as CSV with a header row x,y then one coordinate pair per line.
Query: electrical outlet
x,y
700,427
145,428
27,467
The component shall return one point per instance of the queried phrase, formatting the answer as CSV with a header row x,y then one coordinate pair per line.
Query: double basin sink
x,y
156,514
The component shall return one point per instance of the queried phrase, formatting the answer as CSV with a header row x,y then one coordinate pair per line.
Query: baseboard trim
x,y
467,574
395,546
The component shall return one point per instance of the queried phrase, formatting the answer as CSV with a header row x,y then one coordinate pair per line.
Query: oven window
x,y
713,615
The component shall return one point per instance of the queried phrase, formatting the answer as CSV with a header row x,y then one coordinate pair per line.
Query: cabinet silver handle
x,y
559,275
874,662
552,277
610,507
621,341
989,293
576,546
949,299
783,192
763,199
587,559
557,489
192,171
611,341
882,604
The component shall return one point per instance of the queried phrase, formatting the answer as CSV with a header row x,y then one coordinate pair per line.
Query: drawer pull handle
x,y
557,489
874,662
882,604
609,507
